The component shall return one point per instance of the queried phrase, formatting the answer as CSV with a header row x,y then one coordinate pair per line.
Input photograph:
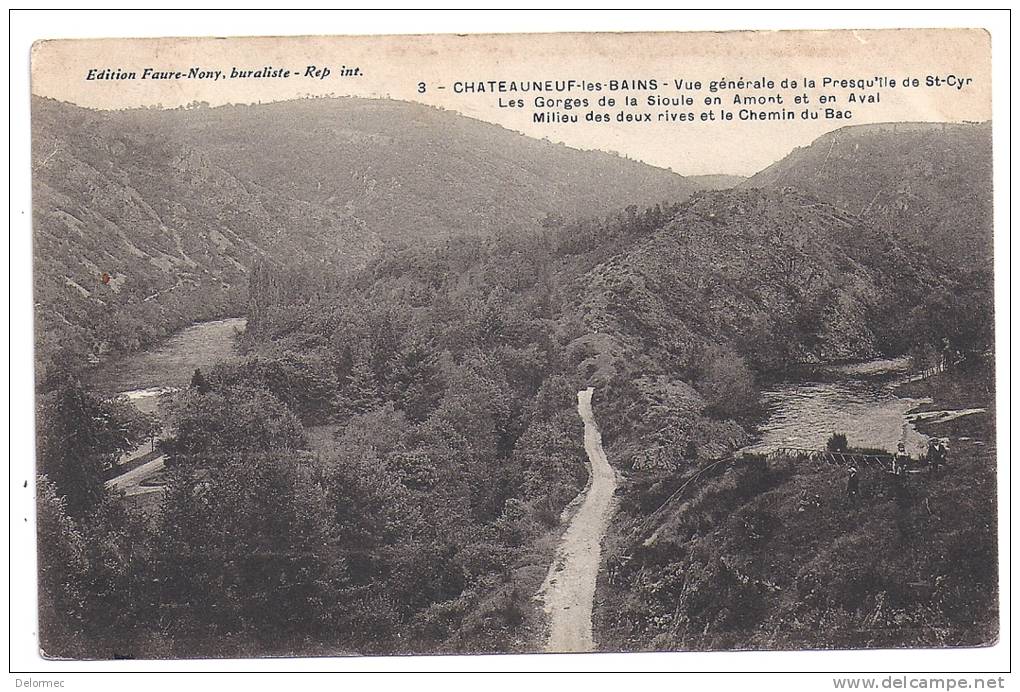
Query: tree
x,y
837,442
727,384
251,546
304,383
199,383
137,426
61,562
415,383
236,418
362,392
79,437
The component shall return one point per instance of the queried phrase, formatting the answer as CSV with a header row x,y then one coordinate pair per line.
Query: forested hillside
x,y
735,289
386,468
384,472
148,220
412,172
137,233
929,183
873,241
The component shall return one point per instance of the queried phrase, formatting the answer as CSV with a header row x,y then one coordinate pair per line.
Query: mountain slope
x,y
147,220
772,555
736,287
931,183
408,170
730,262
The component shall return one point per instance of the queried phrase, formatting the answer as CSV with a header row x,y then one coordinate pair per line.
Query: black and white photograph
x,y
434,345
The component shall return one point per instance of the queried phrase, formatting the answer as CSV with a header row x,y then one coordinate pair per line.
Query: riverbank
x,y
970,385
142,377
776,557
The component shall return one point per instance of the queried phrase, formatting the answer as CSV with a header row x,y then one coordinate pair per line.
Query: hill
x,y
401,445
137,233
675,315
400,439
174,207
929,183
410,171
772,555
736,288
730,260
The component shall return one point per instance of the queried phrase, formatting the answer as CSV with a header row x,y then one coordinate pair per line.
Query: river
x,y
859,400
142,376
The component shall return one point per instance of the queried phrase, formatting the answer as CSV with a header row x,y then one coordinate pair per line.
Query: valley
x,y
441,362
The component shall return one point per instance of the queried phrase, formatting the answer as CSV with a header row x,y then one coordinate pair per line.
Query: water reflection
x,y
141,376
858,400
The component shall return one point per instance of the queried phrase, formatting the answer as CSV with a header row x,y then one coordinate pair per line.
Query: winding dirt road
x,y
569,588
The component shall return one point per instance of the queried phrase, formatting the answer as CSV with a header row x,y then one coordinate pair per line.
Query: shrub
x,y
837,442
753,476
727,384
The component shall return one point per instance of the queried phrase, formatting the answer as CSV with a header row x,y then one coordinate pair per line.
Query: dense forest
x,y
148,220
391,456
386,468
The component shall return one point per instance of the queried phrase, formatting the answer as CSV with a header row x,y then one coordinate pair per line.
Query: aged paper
x,y
515,343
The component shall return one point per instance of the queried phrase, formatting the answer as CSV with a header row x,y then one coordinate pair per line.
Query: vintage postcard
x,y
451,344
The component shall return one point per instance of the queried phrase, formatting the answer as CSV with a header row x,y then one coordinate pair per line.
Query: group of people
x,y
938,453
937,456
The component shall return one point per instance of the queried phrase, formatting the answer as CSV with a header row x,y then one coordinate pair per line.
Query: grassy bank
x,y
775,557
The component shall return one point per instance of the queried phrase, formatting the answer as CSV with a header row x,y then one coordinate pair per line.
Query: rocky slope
x,y
147,220
780,276
929,183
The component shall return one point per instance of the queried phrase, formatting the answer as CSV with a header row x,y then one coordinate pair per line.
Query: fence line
x,y
882,462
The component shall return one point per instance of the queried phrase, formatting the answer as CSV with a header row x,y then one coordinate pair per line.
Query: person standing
x,y
852,486
934,455
900,459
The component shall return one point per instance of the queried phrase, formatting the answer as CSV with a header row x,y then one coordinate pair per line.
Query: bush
x,y
727,384
753,477
837,442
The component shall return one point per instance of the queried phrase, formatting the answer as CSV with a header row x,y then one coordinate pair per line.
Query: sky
x,y
431,68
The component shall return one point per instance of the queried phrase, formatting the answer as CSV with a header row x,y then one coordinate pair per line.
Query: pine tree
x,y
415,384
362,392
78,438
